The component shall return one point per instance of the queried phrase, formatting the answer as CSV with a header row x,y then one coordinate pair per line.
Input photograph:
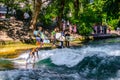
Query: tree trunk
x,y
36,12
59,22
33,5
76,5
62,4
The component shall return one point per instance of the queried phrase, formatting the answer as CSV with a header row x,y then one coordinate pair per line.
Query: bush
x,y
113,23
84,29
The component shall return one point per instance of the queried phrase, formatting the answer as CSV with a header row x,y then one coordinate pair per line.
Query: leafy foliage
x,y
113,23
84,13
84,29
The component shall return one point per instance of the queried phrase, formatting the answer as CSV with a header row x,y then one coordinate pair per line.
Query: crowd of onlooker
x,y
62,36
101,29
55,36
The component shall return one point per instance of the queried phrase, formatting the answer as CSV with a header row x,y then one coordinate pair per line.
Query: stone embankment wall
x,y
14,30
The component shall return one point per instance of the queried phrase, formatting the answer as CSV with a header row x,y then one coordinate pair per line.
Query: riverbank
x,y
112,34
12,34
13,49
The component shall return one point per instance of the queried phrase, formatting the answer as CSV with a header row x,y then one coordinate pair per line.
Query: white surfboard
x,y
57,36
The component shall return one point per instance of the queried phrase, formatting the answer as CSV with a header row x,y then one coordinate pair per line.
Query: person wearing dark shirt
x,y
62,38
67,38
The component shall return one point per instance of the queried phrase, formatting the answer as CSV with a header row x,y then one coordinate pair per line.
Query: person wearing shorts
x,y
67,36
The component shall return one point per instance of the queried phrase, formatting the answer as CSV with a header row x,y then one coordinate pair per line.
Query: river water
x,y
95,60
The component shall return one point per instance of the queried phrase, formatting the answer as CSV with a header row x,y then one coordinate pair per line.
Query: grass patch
x,y
14,50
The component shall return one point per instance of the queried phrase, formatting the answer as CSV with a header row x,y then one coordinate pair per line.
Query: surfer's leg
x,y
28,57
27,60
33,65
37,54
33,56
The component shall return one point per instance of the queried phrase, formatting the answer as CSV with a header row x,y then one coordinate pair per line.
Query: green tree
x,y
112,10
37,9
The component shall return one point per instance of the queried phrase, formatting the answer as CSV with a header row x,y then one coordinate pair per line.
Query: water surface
x,y
96,60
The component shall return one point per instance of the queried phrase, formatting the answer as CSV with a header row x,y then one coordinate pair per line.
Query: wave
x,y
70,57
81,63
96,66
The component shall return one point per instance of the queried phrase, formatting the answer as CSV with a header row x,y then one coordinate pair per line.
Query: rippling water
x,y
98,60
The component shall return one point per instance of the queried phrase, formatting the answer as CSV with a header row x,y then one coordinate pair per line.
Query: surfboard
x,y
20,61
24,61
57,36
62,38
70,38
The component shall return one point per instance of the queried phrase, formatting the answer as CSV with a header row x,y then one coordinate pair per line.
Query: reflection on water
x,y
98,60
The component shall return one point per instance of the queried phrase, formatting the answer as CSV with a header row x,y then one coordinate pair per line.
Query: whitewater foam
x,y
70,56
66,58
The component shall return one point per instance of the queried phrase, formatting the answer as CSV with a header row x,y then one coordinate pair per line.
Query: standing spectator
x,y
64,25
62,38
70,28
104,29
95,29
118,30
37,36
41,36
46,39
14,13
53,37
74,29
68,23
98,29
26,18
67,38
